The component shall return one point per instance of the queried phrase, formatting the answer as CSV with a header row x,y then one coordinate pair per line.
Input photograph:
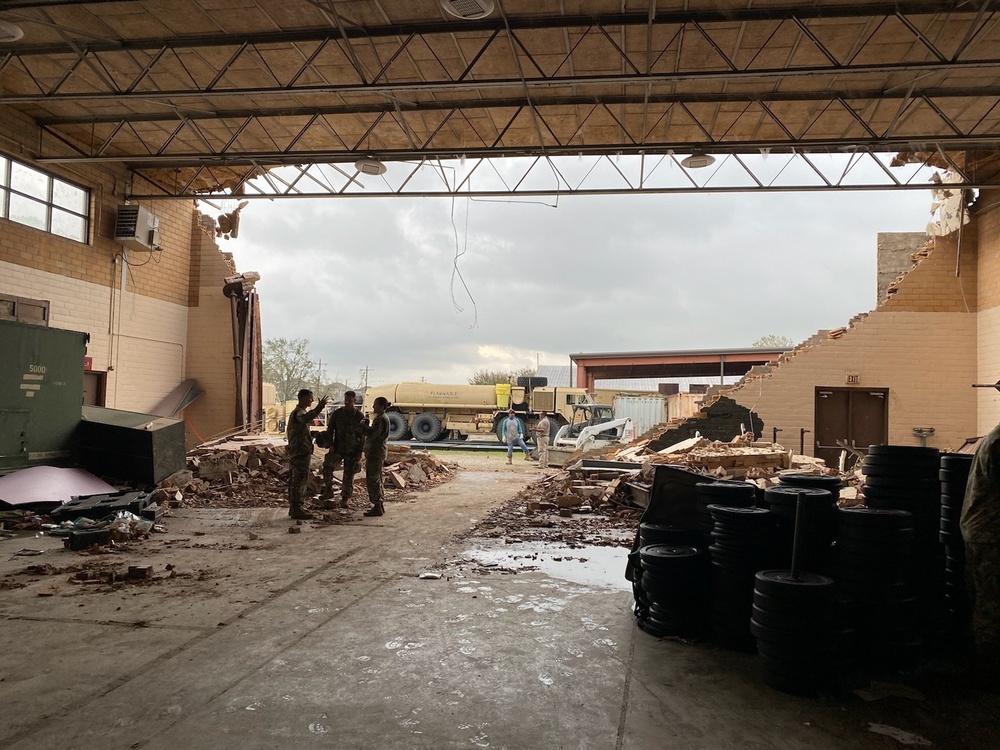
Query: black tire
x,y
398,429
426,427
531,382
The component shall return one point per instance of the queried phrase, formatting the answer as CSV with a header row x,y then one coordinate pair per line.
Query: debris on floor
x,y
252,471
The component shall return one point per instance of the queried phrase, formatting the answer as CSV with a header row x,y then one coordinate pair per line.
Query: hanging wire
x,y
461,247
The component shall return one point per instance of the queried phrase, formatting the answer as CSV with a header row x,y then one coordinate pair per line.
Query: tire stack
x,y
817,525
873,563
730,494
742,544
954,476
657,533
904,477
794,623
675,583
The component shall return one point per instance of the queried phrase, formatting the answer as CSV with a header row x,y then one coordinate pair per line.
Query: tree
x,y
490,377
288,366
772,341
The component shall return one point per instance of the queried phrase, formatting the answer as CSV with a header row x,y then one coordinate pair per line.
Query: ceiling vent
x,y
370,166
9,32
470,10
137,229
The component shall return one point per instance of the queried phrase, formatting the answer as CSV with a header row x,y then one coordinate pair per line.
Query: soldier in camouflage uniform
x,y
299,451
981,532
375,453
345,431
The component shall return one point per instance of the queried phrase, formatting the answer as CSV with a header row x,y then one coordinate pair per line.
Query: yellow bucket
x,y
503,395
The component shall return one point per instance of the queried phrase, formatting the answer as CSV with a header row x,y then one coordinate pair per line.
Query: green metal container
x,y
41,393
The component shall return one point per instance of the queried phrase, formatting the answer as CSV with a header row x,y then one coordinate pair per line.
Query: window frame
x,y
7,191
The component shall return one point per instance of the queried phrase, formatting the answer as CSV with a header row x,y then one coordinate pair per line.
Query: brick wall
x,y
154,321
210,333
987,222
894,257
921,345
722,420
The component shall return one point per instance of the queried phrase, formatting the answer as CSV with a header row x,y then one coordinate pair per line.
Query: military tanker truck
x,y
429,411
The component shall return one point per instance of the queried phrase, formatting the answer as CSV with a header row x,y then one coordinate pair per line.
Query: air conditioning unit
x,y
137,229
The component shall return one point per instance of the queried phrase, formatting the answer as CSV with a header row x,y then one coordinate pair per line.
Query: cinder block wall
x,y
987,221
920,344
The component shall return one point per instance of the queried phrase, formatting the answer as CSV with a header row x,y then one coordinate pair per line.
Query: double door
x,y
856,417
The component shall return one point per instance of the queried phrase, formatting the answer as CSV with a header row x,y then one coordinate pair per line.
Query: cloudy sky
x,y
370,282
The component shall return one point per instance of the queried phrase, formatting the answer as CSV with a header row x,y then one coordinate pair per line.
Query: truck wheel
x,y
398,429
426,427
525,381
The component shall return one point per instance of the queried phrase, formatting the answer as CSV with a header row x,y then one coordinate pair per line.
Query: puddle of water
x,y
601,566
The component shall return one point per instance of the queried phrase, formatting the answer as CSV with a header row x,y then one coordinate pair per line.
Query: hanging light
x,y
697,161
370,166
10,32
470,10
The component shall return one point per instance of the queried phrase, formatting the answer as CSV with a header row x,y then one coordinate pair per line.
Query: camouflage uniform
x,y
299,452
346,429
375,455
981,531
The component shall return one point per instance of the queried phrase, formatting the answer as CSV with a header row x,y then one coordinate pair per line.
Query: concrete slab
x,y
329,638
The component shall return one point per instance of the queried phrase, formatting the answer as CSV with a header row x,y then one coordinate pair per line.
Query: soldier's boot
x,y
299,513
509,461
344,501
327,493
376,510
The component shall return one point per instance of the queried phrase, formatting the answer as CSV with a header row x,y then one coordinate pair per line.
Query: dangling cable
x,y
456,271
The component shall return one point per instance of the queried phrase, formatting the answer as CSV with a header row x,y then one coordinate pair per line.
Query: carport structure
x,y
200,97
592,367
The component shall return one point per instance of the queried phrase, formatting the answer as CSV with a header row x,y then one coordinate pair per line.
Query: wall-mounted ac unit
x,y
137,229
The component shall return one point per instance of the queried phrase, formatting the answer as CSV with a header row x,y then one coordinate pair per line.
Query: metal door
x,y
93,388
858,417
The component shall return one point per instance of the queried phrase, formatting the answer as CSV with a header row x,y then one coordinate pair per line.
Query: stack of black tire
x,y
796,625
817,525
873,563
742,544
730,494
954,476
657,533
904,477
676,586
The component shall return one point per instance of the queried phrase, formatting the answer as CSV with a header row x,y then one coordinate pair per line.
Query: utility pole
x,y
364,374
319,378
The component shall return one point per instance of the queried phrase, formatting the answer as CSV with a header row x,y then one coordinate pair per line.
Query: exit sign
x,y
854,378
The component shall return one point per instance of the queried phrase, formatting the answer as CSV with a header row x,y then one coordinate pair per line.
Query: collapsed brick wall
x,y
723,420
920,344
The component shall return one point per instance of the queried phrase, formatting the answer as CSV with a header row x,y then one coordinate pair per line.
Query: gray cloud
x,y
369,281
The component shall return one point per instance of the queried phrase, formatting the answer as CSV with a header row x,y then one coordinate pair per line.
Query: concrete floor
x,y
328,638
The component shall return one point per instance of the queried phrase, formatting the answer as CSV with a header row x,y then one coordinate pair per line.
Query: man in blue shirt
x,y
513,430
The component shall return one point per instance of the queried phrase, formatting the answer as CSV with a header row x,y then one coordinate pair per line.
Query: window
x,y
39,200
